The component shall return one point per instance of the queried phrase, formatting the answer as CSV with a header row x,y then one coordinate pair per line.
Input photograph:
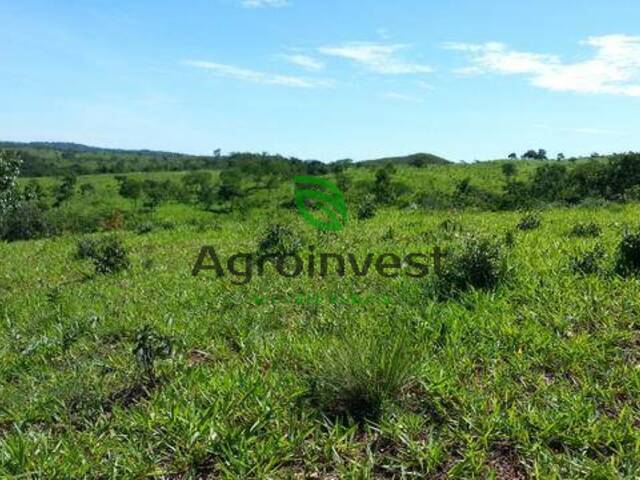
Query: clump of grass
x,y
108,255
476,262
510,239
367,208
586,229
279,240
451,226
357,373
628,254
530,221
589,262
146,227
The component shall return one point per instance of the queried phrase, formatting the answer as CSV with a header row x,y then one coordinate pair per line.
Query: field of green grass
x,y
311,377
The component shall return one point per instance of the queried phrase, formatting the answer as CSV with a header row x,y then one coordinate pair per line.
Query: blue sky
x,y
324,79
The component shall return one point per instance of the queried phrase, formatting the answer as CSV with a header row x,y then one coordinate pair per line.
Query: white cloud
x,y
376,57
264,3
401,97
304,61
613,69
246,75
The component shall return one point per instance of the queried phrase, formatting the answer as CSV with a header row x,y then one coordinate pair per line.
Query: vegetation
x,y
526,359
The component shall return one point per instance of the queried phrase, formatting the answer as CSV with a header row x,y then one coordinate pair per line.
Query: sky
x,y
324,79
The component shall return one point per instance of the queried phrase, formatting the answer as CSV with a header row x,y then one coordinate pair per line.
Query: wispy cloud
x,y
376,57
264,3
304,61
254,76
614,67
401,97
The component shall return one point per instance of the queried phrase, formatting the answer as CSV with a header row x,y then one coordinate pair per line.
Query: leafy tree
x,y
230,185
561,156
382,189
509,170
9,171
130,188
65,190
513,156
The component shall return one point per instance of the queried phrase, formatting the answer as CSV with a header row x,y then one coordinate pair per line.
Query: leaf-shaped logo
x,y
329,202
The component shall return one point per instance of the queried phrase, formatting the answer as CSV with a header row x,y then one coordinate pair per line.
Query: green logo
x,y
329,202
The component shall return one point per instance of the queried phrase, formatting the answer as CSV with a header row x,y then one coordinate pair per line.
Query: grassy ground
x,y
538,378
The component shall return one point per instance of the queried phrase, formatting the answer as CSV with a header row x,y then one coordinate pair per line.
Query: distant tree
x,y
230,185
65,189
342,181
513,156
561,156
541,154
197,182
382,188
509,170
130,188
9,171
33,191
86,188
595,155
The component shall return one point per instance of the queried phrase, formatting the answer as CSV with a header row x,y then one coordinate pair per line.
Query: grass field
x,y
537,378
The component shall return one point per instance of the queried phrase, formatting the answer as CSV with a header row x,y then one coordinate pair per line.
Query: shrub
x,y
279,240
367,208
115,221
25,221
108,255
86,248
149,347
628,254
355,374
586,229
588,262
530,221
476,262
146,227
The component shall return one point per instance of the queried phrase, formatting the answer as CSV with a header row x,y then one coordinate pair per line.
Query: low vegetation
x,y
521,356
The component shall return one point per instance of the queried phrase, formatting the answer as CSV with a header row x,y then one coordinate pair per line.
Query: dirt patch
x,y
505,463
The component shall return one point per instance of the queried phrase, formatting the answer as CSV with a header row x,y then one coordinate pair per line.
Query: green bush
x,y
586,229
108,255
25,221
628,254
589,262
86,247
367,208
530,221
475,262
279,240
146,227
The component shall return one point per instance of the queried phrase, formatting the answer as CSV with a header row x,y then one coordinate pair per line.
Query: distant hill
x,y
414,159
80,148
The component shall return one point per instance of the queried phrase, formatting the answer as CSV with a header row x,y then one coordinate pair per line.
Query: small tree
x,y
561,156
509,170
65,190
513,156
130,188
382,188
9,171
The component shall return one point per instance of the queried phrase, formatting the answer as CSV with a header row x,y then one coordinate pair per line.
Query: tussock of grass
x,y
356,373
